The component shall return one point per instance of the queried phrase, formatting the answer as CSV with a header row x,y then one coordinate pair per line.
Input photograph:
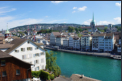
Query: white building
x,y
86,42
109,42
28,51
59,40
98,42
53,38
103,42
119,44
66,42
76,43
71,42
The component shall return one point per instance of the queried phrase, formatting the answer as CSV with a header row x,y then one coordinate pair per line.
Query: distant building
x,y
86,42
13,69
53,38
59,40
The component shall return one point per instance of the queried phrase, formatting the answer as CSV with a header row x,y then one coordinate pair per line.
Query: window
x,y
42,60
42,53
36,62
37,68
37,48
22,49
29,48
23,56
17,72
37,54
16,50
4,73
3,63
28,42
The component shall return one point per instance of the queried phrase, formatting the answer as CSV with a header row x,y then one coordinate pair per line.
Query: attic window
x,y
28,42
3,63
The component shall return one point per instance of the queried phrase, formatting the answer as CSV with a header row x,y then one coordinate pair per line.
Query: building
x,y
13,69
92,24
109,42
28,51
103,42
59,40
71,42
86,42
119,44
53,38
76,43
98,42
66,42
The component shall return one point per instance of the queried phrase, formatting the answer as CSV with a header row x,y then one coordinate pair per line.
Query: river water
x,y
100,68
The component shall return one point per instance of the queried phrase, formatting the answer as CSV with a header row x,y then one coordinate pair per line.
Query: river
x,y
100,68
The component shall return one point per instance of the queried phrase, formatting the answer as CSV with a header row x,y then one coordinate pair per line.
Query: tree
x,y
79,35
76,29
51,63
102,30
80,29
105,28
71,29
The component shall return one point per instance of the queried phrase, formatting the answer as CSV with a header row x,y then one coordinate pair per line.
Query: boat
x,y
117,57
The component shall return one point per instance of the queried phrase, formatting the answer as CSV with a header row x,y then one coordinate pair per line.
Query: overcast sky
x,y
18,13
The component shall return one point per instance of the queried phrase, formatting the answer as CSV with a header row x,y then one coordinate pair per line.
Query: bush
x,y
51,76
44,75
36,73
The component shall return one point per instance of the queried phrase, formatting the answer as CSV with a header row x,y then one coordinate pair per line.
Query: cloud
x,y
118,19
5,10
73,11
46,16
104,23
118,4
82,8
74,7
58,1
97,23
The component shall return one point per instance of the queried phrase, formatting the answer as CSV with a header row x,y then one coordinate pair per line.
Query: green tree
x,y
80,35
80,29
102,30
105,28
51,63
76,29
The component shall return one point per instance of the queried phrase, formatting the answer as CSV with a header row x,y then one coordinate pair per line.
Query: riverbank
x,y
84,53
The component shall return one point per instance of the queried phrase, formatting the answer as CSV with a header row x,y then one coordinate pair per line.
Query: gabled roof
x,y
56,33
18,42
2,46
98,35
6,55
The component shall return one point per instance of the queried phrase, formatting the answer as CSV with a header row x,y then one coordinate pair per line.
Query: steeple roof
x,y
7,31
93,19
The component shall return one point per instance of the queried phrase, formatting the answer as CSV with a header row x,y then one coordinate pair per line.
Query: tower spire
x,y
93,16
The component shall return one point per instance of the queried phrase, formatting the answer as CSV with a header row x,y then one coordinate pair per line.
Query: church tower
x,y
7,33
92,24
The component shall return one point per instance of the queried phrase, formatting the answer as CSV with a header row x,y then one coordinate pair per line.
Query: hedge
x,y
42,74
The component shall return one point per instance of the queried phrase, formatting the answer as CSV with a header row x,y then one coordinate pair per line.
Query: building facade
x,y
13,69
28,51
86,42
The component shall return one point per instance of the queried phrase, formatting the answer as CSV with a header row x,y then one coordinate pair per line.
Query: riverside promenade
x,y
83,53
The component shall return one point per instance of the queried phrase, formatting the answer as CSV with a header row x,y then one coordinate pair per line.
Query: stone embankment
x,y
83,53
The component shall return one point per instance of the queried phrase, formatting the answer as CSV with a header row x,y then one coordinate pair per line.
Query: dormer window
x,y
28,42
16,50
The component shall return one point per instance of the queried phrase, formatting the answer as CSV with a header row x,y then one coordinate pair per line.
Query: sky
x,y
19,13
